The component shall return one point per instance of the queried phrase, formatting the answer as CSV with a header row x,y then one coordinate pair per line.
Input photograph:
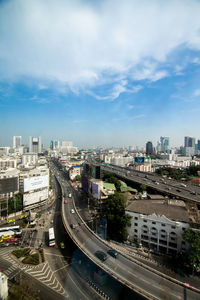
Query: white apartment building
x,y
159,225
17,141
9,183
74,171
4,151
29,159
8,162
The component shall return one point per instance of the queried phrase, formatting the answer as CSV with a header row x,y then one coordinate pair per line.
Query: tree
x,y
114,210
143,187
192,236
109,177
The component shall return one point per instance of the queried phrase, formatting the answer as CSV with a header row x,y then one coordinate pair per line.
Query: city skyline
x,y
107,73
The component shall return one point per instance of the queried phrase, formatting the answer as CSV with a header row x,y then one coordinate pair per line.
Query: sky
x,y
100,73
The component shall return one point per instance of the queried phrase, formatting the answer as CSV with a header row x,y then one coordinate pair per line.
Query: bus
x,y
51,237
11,230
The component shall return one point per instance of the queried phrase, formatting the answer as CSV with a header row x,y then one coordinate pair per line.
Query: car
x,y
72,211
72,226
65,202
62,245
113,253
101,255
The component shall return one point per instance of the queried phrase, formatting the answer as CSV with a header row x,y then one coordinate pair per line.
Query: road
x,y
167,186
130,272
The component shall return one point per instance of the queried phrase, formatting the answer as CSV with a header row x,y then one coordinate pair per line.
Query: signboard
x,y
34,183
84,182
95,190
35,197
139,160
8,185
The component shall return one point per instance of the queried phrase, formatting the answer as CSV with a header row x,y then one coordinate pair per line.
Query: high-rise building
x,y
35,144
164,141
149,148
17,141
189,142
198,145
51,145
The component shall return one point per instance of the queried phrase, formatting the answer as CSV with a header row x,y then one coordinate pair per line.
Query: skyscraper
x,y
164,140
35,144
189,142
17,141
149,148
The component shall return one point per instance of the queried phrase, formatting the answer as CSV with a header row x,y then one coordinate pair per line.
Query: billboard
x,y
95,190
35,197
84,182
34,183
139,160
8,185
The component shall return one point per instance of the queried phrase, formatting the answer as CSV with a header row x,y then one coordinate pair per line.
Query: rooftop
x,y
162,207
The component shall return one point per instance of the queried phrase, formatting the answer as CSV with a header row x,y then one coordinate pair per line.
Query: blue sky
x,y
100,73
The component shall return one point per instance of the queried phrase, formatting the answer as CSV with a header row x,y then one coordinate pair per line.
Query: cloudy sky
x,y
100,73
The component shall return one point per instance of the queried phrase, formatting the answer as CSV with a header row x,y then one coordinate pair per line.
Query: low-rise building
x,y
159,224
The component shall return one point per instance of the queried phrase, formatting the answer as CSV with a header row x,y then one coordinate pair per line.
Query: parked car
x,y
72,211
101,255
72,226
65,202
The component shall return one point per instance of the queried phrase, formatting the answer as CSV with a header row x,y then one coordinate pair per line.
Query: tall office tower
x,y
198,145
51,145
17,141
35,144
149,148
189,142
164,140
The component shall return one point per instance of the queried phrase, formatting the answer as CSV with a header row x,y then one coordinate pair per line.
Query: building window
x,y
173,227
144,226
154,240
162,230
163,236
153,222
183,243
145,237
145,221
135,224
172,245
135,230
144,231
183,228
172,233
163,225
172,238
154,233
136,218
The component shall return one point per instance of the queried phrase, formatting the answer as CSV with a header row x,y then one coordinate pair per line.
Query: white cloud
x,y
82,44
197,93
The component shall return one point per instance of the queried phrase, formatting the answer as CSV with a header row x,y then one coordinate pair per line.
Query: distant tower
x,y
149,148
164,143
17,141
35,144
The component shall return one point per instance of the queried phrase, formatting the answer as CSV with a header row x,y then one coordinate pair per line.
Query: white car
x,y
72,211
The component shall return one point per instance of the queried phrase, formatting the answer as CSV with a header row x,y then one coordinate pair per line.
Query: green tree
x,y
77,178
143,187
114,210
192,236
109,177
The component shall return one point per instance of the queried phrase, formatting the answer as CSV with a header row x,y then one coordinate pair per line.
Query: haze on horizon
x,y
100,73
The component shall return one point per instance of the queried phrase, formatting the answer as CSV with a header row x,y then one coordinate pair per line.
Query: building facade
x,y
35,144
158,226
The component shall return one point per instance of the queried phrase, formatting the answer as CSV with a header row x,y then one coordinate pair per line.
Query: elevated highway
x,y
173,188
143,280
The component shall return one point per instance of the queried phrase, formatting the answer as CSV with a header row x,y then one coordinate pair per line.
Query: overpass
x,y
142,279
173,188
